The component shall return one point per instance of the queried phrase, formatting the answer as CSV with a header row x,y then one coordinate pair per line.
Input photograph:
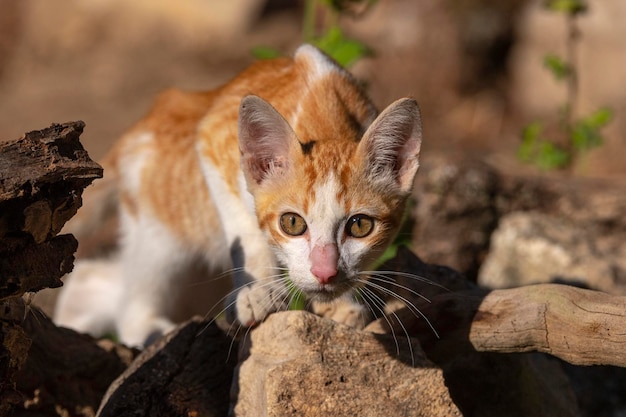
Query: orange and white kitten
x,y
285,171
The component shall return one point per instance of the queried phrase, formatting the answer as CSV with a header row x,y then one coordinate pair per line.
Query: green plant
x,y
578,136
321,28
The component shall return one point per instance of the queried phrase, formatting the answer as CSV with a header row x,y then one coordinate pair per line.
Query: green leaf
x,y
348,5
585,137
343,50
530,138
586,132
599,118
265,52
559,68
567,6
540,152
549,156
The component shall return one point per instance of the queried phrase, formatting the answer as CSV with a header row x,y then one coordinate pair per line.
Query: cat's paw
x,y
253,303
344,311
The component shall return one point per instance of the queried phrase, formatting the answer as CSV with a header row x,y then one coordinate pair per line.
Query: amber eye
x,y
293,224
359,225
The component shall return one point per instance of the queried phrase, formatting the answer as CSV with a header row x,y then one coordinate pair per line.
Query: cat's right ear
x,y
264,140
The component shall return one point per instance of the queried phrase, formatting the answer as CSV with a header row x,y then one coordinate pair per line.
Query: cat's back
x,y
163,158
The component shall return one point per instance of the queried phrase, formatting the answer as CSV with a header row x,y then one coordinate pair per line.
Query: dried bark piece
x,y
187,373
42,176
65,373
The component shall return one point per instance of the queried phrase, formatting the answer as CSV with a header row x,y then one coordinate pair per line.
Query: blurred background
x,y
476,66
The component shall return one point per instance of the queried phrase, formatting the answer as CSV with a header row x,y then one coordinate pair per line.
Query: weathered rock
x,y
531,247
300,364
455,213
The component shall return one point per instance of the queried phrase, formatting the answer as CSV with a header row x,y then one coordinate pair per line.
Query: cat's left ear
x,y
391,145
265,138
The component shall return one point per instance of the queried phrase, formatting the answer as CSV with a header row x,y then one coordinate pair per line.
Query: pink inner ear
x,y
392,143
324,262
265,138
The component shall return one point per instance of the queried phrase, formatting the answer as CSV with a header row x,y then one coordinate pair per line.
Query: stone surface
x,y
455,213
300,364
531,247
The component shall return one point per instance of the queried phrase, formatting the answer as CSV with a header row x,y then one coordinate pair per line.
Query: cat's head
x,y
330,181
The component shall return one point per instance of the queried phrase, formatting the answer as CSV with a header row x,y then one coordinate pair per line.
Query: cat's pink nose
x,y
324,262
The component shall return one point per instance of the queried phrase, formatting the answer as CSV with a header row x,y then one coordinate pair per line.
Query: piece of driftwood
x,y
580,326
42,176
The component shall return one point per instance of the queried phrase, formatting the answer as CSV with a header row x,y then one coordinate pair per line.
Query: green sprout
x,y
579,135
330,38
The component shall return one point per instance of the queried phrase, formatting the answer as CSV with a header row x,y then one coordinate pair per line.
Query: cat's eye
x,y
293,224
359,225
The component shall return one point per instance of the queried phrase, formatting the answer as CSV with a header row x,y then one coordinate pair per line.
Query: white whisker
x,y
387,280
379,303
405,275
416,311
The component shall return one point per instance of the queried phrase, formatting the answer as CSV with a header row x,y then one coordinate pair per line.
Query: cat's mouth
x,y
326,292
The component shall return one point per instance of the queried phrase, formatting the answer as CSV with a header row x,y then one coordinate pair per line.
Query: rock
x,y
455,213
300,364
460,203
513,385
531,247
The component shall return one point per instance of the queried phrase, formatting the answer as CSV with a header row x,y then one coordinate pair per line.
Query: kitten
x,y
284,177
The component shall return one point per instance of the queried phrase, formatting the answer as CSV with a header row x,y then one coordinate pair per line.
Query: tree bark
x,y
42,176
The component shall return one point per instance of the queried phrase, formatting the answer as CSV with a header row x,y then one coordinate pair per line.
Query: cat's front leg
x,y
259,288
254,302
152,261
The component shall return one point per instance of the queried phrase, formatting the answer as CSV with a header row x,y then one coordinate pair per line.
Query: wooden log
x,y
580,326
